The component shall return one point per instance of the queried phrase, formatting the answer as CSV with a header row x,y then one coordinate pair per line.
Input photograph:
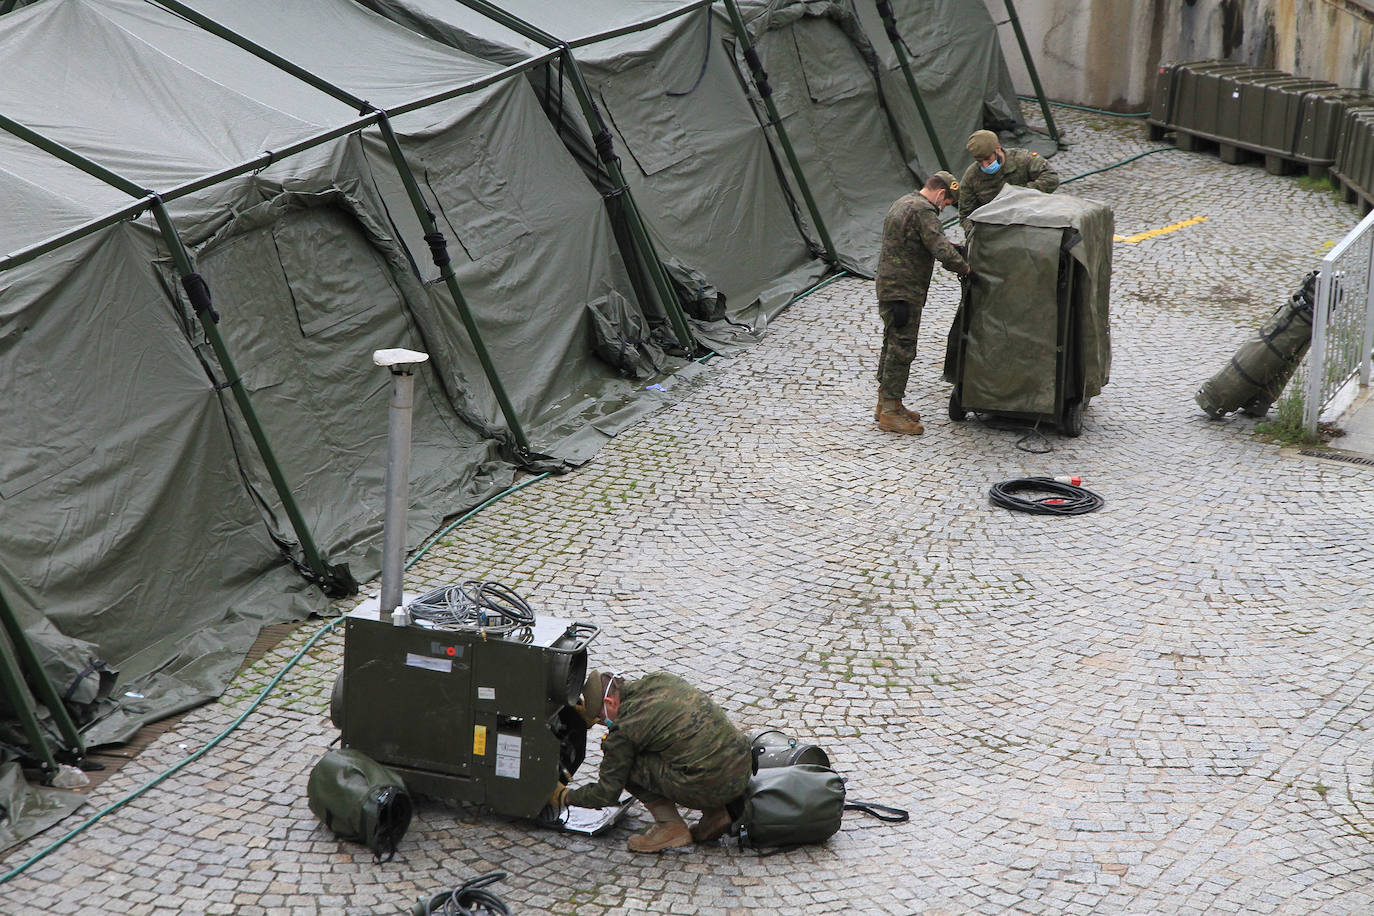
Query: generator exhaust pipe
x,y
401,364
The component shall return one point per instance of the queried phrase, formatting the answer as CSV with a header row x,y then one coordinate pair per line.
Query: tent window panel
x,y
475,195
332,273
37,444
831,65
646,117
779,54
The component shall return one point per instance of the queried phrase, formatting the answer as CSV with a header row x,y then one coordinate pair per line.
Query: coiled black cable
x,y
473,605
1065,498
467,899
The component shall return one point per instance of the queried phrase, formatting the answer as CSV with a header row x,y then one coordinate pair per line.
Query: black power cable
x,y
467,899
473,605
1064,498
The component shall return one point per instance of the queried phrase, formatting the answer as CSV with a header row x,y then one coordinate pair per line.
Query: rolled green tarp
x,y
1255,376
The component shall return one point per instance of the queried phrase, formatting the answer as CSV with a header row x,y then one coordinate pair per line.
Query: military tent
x,y
696,158
955,57
175,460
824,74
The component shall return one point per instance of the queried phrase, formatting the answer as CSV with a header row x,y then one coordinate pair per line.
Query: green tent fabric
x,y
956,58
26,810
694,155
126,525
137,523
825,77
1013,334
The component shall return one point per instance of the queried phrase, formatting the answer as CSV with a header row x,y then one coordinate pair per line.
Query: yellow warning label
x,y
1163,230
479,740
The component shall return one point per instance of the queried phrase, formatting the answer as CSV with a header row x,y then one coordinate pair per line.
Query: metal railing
x,y
1342,322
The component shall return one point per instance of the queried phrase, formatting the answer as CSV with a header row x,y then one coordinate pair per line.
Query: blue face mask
x,y
991,169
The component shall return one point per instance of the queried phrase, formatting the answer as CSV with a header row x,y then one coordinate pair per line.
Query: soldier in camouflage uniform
x,y
669,745
912,242
994,167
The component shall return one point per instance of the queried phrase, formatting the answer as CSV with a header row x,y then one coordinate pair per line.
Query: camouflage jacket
x,y
1021,168
662,714
912,242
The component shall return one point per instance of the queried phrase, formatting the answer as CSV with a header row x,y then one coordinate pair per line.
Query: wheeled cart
x,y
1031,339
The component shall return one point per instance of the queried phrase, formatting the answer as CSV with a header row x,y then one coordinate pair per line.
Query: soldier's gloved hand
x,y
901,313
968,277
559,799
962,249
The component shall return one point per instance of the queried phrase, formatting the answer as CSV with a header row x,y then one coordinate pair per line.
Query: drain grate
x,y
1338,456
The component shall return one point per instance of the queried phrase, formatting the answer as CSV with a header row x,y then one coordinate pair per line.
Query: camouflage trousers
x,y
653,779
899,347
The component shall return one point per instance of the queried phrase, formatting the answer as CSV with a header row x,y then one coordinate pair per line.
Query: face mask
x,y
991,169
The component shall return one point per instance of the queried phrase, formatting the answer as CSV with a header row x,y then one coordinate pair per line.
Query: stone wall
x,y
1104,53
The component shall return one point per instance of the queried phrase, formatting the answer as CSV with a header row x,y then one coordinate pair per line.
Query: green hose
x,y
1117,165
42,853
327,628
419,553
1101,111
1106,168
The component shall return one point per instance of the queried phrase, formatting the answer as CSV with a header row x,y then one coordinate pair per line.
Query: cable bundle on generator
x,y
1064,496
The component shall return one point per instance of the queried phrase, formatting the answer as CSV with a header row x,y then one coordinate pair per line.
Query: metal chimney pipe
x,y
401,363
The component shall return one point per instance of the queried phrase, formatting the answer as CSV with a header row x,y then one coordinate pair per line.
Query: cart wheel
x,y
336,711
956,410
1072,424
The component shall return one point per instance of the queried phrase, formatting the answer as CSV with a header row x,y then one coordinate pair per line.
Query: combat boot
x,y
911,415
712,826
668,832
891,418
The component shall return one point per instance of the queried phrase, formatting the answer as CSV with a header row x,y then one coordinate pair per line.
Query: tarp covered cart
x,y
1031,339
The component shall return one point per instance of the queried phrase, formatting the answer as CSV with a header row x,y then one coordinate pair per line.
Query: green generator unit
x,y
1031,340
478,711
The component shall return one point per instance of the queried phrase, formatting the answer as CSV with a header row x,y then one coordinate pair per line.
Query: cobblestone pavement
x,y
1162,707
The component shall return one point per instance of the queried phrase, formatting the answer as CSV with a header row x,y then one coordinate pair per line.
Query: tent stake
x,y
760,76
1030,67
894,36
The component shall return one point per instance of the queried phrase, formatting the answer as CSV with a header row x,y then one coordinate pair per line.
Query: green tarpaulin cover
x,y
1014,329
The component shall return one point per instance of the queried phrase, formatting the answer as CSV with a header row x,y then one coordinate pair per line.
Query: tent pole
x,y
605,149
1030,67
438,250
336,580
438,244
17,658
760,76
894,36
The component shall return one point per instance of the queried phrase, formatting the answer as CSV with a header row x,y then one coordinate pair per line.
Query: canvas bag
x,y
360,800
790,806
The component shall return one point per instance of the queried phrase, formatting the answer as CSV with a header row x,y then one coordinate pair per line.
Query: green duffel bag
x,y
790,806
360,800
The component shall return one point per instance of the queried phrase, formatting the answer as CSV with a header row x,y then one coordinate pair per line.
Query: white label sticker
x,y
508,756
486,693
433,664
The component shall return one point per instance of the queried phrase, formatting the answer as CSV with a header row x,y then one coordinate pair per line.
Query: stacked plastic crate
x,y
1292,122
